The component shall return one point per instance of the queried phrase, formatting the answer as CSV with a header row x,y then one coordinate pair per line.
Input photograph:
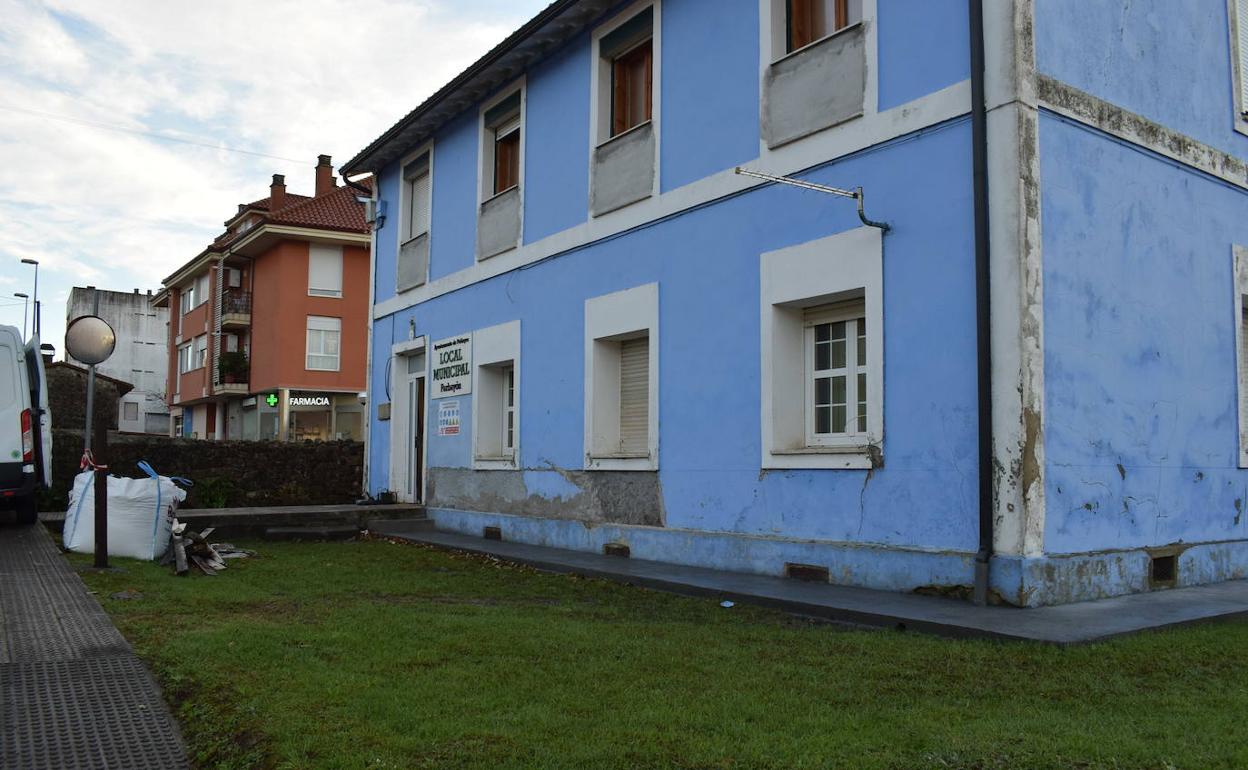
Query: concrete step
x,y
400,527
311,533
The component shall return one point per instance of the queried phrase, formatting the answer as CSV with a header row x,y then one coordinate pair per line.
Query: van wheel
x,y
27,510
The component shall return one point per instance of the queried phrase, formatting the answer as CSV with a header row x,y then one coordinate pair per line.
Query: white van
x,y
25,425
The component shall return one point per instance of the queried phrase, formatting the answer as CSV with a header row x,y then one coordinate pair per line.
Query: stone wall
x,y
226,473
67,397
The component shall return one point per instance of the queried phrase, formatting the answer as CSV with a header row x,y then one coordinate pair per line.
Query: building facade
x,y
141,356
268,325
1013,363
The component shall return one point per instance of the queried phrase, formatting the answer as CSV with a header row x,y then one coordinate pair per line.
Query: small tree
x,y
233,366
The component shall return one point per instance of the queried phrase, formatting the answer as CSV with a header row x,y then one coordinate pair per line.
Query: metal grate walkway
x,y
72,692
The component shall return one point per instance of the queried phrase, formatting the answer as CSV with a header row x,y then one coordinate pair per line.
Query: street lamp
x,y
25,303
35,298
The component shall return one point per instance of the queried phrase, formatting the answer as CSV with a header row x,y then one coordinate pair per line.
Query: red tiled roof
x,y
336,210
263,203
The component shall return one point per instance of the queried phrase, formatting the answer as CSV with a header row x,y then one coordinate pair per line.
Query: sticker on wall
x,y
448,418
452,367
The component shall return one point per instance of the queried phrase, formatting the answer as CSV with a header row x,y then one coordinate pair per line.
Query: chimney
x,y
325,182
277,192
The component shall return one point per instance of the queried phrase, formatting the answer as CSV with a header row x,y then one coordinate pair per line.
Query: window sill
x,y
822,458
494,463
622,462
623,134
312,293
499,194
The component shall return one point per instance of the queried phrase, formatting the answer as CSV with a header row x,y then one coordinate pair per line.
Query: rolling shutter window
x,y
325,271
1241,38
635,396
416,177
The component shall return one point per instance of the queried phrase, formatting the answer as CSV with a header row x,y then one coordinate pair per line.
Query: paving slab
x,y
72,692
1065,624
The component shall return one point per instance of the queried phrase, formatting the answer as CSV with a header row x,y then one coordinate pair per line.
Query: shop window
x,y
323,343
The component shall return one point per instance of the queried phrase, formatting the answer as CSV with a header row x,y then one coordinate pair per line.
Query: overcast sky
x,y
121,209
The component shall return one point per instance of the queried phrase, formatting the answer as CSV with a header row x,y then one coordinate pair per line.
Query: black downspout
x,y
983,295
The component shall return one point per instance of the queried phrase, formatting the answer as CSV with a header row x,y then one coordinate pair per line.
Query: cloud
x,y
291,79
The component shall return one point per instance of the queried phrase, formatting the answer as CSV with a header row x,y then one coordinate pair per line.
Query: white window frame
x,y
318,323
489,135
600,83
184,358
1240,305
405,233
202,289
186,299
1237,14
199,356
852,313
772,48
838,268
325,251
608,320
495,350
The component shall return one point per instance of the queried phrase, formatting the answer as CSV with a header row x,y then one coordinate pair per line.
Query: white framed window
x,y
626,93
822,353
199,357
130,411
233,277
416,192
201,291
1240,258
324,336
502,149
836,374
1238,10
184,358
496,397
621,380
187,301
324,270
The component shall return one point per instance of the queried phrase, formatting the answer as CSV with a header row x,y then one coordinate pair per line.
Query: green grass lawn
x,y
374,654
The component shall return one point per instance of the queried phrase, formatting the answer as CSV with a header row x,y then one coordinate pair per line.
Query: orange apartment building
x,y
268,325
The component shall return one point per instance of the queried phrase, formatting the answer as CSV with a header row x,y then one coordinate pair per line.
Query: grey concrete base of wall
x,y
413,267
623,170
498,224
815,88
614,497
1023,582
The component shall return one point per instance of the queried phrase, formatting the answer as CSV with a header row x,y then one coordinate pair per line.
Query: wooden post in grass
x,y
101,494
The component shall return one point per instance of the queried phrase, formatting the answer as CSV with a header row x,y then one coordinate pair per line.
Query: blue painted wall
x,y
710,88
1139,346
709,342
1168,61
924,47
453,221
556,166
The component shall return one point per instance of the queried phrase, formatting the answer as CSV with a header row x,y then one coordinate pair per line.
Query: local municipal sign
x,y
452,367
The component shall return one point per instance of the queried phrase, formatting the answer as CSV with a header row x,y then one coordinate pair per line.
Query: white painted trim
x,y
600,121
1239,78
1240,262
792,279
400,418
794,157
492,346
1017,290
485,189
610,316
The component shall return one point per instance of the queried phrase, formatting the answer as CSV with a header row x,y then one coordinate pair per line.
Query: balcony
x,y
233,374
235,309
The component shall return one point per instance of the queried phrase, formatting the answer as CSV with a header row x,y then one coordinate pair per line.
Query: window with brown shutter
x,y
507,158
632,88
811,20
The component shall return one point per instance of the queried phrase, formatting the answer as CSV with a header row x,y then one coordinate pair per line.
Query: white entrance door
x,y
407,428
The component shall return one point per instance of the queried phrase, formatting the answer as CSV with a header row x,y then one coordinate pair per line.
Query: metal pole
x,y
35,300
101,476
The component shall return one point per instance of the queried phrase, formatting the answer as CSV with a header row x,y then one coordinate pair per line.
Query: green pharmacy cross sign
x,y
271,399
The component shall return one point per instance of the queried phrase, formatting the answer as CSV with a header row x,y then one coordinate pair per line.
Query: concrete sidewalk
x,y
72,692
1063,624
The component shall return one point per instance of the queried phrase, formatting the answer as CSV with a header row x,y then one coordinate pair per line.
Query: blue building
x,y
589,329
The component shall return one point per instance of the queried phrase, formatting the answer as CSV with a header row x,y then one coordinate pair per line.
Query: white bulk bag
x,y
140,515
